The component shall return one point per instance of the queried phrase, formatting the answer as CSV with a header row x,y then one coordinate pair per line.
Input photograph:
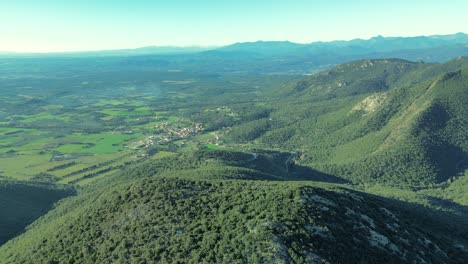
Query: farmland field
x,y
74,133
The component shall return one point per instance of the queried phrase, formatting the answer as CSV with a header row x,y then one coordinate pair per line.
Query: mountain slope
x,y
181,220
358,77
388,121
424,134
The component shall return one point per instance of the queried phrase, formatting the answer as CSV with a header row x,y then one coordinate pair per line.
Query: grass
x,y
9,130
107,118
43,116
115,102
163,154
170,119
52,107
212,146
32,147
22,167
87,181
206,136
95,143
82,162
104,102
115,161
152,124
27,160
140,111
8,140
35,155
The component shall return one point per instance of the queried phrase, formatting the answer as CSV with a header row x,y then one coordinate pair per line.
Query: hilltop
x,y
167,217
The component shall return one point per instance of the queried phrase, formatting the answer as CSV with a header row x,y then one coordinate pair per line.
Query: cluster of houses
x,y
167,132
144,143
170,131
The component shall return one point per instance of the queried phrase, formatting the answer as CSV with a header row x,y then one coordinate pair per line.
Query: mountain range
x,y
268,57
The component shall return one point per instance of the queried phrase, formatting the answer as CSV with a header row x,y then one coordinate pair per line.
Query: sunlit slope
x,y
386,121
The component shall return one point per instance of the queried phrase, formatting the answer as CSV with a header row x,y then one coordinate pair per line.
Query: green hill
x,y
387,121
358,77
188,220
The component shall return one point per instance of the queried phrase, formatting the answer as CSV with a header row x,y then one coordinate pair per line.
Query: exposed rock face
x,y
370,104
370,229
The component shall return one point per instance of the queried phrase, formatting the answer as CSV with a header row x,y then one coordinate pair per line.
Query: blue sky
x,y
72,25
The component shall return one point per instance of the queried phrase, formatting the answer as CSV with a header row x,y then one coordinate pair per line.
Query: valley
x,y
136,161
72,137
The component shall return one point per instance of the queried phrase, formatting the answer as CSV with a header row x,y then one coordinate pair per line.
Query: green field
x,y
8,140
73,145
43,116
213,146
94,143
115,102
140,111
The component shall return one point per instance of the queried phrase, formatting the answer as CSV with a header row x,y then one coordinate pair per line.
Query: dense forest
x,y
198,215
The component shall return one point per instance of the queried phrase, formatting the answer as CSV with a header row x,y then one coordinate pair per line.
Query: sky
x,y
78,25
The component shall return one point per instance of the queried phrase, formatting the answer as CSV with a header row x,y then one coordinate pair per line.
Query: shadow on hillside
x,y
22,203
298,172
449,222
448,204
446,227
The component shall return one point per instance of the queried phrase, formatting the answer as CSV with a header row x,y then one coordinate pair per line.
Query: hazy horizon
x,y
208,47
63,26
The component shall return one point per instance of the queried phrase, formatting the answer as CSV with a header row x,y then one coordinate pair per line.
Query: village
x,y
167,132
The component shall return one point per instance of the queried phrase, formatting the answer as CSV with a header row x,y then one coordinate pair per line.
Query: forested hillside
x,y
189,217
387,121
